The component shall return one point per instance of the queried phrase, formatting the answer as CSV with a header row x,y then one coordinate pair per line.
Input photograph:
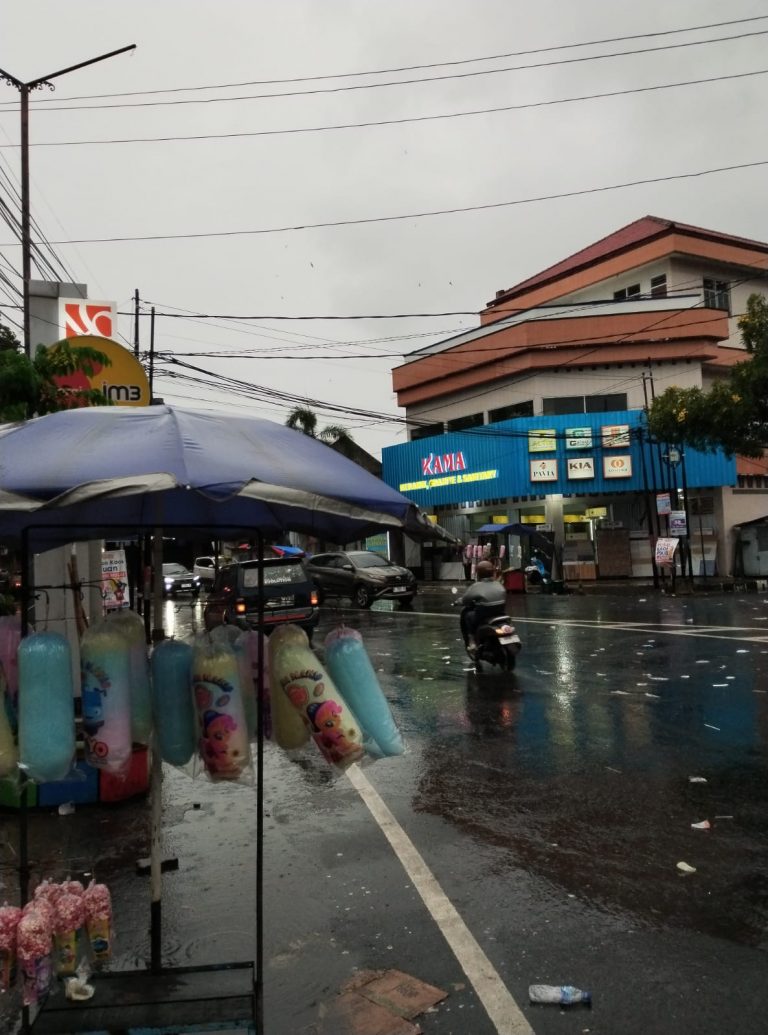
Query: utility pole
x,y
26,242
136,304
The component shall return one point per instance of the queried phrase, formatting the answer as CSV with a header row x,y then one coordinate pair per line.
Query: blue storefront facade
x,y
576,475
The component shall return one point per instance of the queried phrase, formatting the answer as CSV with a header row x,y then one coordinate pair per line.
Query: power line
x,y
392,122
401,82
413,215
449,356
413,68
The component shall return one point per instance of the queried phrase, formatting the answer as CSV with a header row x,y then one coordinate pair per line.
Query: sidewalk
x,y
684,586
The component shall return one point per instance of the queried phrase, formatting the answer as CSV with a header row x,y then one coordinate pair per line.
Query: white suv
x,y
205,568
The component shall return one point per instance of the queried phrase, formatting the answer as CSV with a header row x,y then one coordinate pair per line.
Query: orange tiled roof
x,y
638,232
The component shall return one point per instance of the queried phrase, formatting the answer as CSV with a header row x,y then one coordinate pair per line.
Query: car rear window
x,y
276,575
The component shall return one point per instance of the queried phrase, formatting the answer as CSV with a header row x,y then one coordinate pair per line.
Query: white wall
x,y
604,289
579,381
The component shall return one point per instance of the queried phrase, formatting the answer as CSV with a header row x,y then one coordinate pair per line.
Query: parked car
x,y
205,569
178,580
362,576
289,595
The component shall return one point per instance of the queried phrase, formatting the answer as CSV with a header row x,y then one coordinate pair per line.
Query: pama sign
x,y
123,382
443,463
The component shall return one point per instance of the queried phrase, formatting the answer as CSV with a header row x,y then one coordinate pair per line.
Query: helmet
x,y
484,570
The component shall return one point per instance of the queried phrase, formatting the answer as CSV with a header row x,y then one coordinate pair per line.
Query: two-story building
x,y
537,415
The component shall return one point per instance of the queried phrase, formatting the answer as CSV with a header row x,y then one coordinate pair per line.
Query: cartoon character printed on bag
x,y
325,718
220,734
218,728
93,694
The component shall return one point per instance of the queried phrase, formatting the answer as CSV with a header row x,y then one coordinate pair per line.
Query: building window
x,y
426,431
473,420
717,294
659,286
562,404
524,409
606,403
633,291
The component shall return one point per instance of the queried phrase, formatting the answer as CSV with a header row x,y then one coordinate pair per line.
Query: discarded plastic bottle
x,y
565,995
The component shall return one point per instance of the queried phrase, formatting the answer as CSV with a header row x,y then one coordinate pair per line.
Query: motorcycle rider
x,y
486,599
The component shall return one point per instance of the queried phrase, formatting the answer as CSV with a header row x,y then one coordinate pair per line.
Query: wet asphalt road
x,y
551,806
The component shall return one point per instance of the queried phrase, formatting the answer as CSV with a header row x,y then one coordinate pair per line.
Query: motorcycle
x,y
496,642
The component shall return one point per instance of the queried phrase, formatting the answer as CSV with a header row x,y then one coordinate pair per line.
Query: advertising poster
x,y
663,503
542,440
543,470
114,579
584,467
665,552
615,436
678,524
578,438
617,466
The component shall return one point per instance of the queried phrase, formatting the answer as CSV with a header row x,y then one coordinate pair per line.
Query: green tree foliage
x,y
8,339
305,420
28,387
733,415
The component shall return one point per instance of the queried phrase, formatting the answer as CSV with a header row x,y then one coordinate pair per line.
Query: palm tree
x,y
305,420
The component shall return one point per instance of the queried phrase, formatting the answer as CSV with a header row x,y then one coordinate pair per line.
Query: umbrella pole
x,y
259,971
156,814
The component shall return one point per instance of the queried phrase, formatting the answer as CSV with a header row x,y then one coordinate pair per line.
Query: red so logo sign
x,y
78,316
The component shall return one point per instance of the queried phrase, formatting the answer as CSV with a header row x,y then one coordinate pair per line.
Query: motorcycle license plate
x,y
508,639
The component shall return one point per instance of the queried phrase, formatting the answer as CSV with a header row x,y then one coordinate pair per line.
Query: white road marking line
x,y
736,632
501,1008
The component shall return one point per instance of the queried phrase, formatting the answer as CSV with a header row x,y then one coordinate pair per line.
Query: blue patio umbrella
x,y
69,474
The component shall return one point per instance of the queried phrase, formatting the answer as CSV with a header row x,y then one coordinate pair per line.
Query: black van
x,y
289,595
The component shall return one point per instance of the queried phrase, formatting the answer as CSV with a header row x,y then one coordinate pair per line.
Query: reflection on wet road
x,y
551,806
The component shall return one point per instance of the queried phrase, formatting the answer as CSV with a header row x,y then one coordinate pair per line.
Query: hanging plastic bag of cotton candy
x,y
106,688
254,650
311,691
172,704
218,696
354,675
131,626
46,707
290,728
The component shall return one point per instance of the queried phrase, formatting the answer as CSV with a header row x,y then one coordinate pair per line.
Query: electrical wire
x,y
414,215
391,122
414,68
398,82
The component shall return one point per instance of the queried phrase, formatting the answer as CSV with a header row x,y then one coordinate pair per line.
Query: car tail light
x,y
240,608
314,599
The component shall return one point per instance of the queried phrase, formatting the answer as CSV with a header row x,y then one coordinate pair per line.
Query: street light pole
x,y
26,237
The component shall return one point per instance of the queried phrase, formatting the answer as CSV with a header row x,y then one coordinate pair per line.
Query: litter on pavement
x,y
683,867
703,825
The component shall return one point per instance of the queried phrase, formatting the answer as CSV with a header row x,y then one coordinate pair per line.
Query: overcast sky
x,y
436,264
